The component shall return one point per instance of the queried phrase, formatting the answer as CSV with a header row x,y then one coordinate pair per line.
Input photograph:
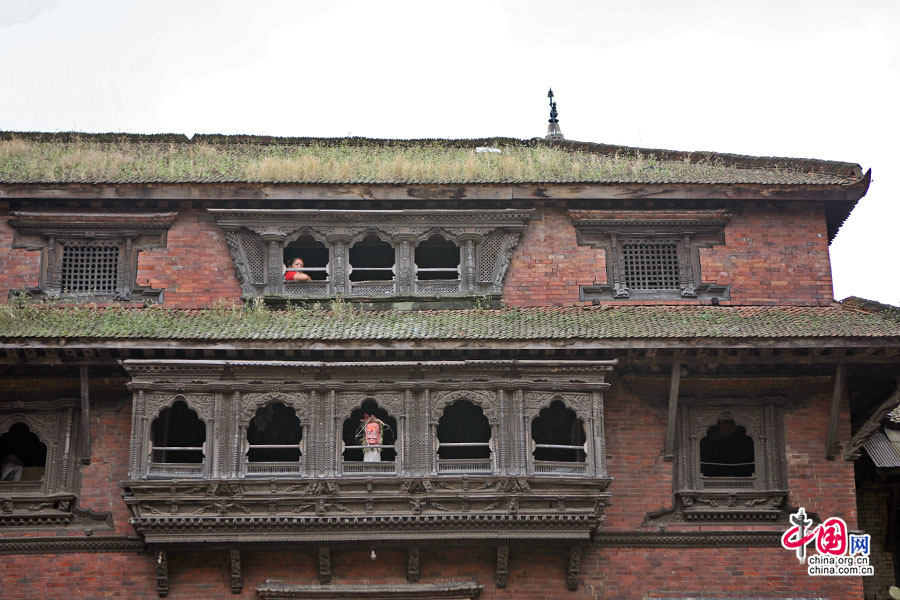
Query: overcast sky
x,y
812,79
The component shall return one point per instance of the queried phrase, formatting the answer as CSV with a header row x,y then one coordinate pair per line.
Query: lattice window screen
x,y
490,250
89,269
651,265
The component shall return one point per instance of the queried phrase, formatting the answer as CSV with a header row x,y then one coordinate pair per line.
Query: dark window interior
x,y
651,266
22,455
314,254
372,260
274,425
351,427
727,451
437,258
463,421
557,425
89,269
178,427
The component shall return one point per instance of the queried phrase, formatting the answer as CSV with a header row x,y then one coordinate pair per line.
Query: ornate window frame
x,y
257,238
584,407
252,402
488,406
51,501
52,232
148,410
762,496
688,231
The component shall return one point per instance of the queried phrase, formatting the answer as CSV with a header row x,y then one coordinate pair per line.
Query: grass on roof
x,y
86,161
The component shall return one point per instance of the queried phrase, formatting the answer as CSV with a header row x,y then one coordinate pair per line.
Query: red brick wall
x,y
635,433
772,255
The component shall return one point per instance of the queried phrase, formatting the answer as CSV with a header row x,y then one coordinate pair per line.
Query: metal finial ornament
x,y
553,113
553,130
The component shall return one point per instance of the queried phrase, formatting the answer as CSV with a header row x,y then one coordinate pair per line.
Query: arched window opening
x,y
558,435
178,435
727,451
436,259
371,259
313,262
23,456
354,434
274,435
463,432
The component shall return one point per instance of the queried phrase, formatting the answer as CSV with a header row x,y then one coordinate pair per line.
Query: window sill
x,y
394,302
604,292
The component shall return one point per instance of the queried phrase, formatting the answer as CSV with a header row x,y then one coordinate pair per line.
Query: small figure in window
x,y
11,468
292,270
371,434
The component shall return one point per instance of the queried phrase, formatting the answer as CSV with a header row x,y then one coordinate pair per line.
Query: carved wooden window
x,y
23,456
90,256
558,440
37,463
653,254
274,441
730,459
727,451
316,260
464,439
372,267
437,263
178,442
362,458
375,253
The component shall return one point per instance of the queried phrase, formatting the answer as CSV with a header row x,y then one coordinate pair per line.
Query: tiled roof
x,y
169,158
544,323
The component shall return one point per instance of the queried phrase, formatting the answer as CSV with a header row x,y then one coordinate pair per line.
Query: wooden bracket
x,y
412,564
501,576
674,382
85,434
162,573
237,580
324,566
574,566
836,395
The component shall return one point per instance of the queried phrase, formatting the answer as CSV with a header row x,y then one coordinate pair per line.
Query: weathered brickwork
x,y
615,573
772,255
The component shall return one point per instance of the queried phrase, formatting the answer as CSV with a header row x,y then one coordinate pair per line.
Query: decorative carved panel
x,y
486,238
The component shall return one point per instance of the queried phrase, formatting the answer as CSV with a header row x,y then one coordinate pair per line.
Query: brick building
x,y
589,371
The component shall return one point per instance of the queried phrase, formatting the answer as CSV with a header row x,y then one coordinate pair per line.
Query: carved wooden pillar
x,y
620,289
522,443
573,568
598,445
236,456
467,274
324,566
136,455
274,263
128,273
412,565
53,281
502,459
237,582
339,269
405,264
686,268
501,576
162,573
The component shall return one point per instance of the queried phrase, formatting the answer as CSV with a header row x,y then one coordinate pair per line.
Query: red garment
x,y
292,275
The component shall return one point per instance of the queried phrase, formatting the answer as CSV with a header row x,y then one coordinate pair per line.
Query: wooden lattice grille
x,y
651,265
89,269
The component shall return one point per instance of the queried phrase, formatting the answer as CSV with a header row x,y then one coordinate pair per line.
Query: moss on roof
x,y
165,158
588,323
